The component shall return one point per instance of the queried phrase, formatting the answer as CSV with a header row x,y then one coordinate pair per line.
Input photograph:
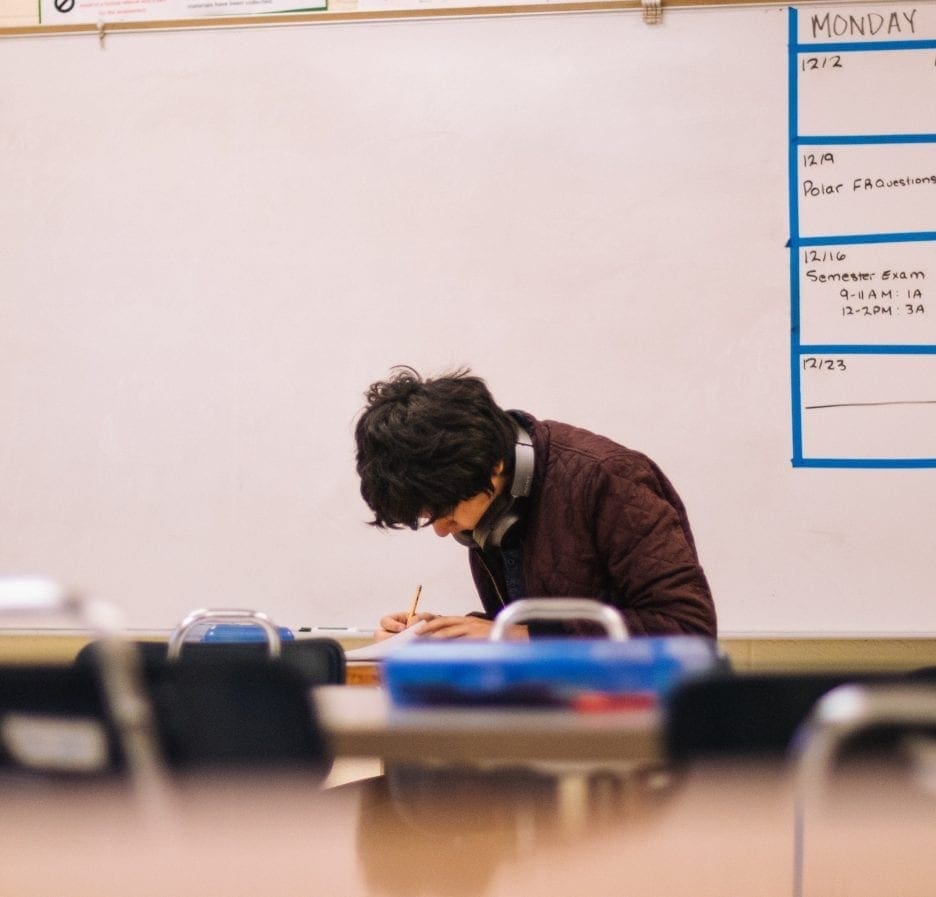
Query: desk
x,y
362,723
592,758
725,835
362,672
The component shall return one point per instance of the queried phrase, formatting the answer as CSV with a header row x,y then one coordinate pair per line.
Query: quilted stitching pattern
x,y
605,522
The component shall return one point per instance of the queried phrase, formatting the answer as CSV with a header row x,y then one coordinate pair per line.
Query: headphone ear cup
x,y
464,538
524,462
504,512
502,526
497,520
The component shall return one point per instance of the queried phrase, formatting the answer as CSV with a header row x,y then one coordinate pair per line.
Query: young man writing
x,y
546,509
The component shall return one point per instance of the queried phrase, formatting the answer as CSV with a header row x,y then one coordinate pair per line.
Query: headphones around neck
x,y
504,512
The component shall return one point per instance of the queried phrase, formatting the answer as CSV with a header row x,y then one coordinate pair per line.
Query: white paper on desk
x,y
385,647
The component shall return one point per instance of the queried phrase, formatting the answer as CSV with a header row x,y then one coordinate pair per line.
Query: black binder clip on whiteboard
x,y
563,609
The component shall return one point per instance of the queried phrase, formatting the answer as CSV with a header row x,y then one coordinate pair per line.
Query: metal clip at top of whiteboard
x,y
652,11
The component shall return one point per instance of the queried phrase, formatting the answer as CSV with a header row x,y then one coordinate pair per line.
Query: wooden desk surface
x,y
361,722
727,835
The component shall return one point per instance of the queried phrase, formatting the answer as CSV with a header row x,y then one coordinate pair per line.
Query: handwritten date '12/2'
x,y
811,363
817,63
832,61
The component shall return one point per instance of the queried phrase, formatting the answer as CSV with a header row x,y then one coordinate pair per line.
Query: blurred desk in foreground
x,y
718,835
590,759
361,722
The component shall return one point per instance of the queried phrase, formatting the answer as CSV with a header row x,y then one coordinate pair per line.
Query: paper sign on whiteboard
x,y
83,12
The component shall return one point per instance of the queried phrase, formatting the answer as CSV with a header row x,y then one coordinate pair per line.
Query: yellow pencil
x,y
412,609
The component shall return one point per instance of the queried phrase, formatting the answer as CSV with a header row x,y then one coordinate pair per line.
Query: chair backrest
x,y
863,721
872,727
242,713
246,712
320,661
744,715
54,721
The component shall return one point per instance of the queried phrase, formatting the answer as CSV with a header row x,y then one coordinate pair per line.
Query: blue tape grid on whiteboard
x,y
804,140
853,349
854,239
866,47
793,173
796,348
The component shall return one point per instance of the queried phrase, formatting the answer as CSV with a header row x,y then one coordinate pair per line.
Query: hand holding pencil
x,y
434,626
412,610
394,623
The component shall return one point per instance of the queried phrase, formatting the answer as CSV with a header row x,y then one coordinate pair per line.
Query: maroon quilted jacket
x,y
604,522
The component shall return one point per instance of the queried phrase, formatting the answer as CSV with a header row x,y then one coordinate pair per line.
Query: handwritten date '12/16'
x,y
816,63
811,363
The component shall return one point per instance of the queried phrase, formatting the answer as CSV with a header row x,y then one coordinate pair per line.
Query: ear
x,y
498,480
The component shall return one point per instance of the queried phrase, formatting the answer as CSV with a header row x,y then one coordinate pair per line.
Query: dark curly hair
x,y
424,445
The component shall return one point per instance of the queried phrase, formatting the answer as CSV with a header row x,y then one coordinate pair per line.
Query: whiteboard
x,y
213,241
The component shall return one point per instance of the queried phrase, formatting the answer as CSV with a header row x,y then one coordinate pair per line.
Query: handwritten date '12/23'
x,y
811,363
